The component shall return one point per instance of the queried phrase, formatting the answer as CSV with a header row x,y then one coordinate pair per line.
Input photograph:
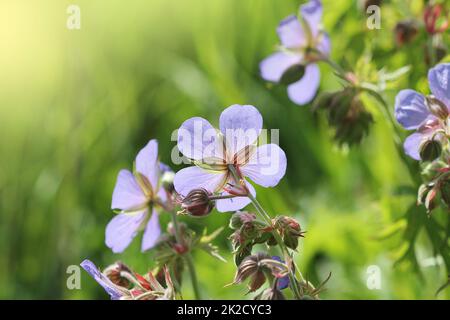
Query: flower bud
x,y
181,228
197,203
245,234
427,196
430,150
405,31
347,114
240,218
115,273
252,268
290,231
435,19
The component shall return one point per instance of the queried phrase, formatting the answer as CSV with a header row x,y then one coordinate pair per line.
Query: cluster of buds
x,y
248,231
197,203
258,268
437,187
123,284
245,228
289,230
346,114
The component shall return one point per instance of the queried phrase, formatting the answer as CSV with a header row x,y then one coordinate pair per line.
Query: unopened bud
x,y
405,31
430,202
290,231
347,114
435,18
115,273
197,203
240,218
430,150
182,228
252,268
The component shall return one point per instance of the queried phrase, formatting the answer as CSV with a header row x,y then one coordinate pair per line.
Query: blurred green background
x,y
77,105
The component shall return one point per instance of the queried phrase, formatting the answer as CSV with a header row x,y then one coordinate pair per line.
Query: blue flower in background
x,y
303,43
428,115
133,194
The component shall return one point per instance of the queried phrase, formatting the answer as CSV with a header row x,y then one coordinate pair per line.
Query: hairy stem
x,y
284,249
187,257
265,216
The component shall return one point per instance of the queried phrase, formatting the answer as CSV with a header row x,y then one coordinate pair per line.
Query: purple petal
x,y
162,195
197,139
410,109
234,204
147,163
163,168
283,282
267,165
104,281
273,67
291,33
324,45
304,90
152,232
121,230
127,194
412,145
439,79
312,13
194,177
241,126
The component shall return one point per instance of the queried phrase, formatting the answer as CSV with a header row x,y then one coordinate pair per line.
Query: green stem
x,y
187,257
175,226
193,275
